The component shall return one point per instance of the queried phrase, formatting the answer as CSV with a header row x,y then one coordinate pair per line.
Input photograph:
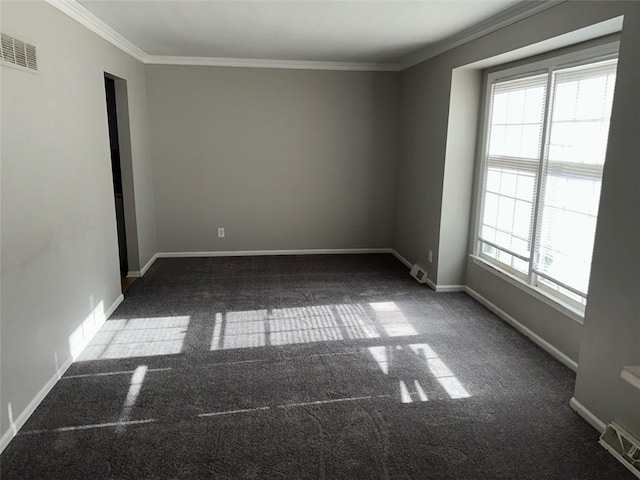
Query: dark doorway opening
x,y
116,168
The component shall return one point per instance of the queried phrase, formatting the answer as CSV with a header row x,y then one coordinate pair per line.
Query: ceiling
x,y
355,31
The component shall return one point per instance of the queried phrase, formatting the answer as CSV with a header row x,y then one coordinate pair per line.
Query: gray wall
x,y
421,193
282,159
457,188
611,337
422,136
58,242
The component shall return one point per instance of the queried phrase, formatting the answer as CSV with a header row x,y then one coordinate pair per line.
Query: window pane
x,y
514,135
516,117
566,244
578,133
554,287
507,259
573,154
491,210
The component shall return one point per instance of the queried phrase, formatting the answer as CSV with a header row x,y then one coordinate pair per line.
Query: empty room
x,y
320,239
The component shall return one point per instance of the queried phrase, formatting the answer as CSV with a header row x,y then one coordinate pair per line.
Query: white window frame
x,y
529,283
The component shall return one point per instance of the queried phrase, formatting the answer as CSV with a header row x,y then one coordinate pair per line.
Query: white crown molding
x,y
501,20
266,63
83,16
505,18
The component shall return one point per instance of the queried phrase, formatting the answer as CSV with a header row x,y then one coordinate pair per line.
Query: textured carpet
x,y
306,367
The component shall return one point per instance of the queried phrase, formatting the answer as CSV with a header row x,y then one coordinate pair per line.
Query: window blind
x,y
546,139
578,131
516,121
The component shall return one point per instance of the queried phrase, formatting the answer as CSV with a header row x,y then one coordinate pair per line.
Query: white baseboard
x,y
113,307
140,273
431,284
148,265
33,404
448,288
253,253
585,413
401,258
437,288
534,337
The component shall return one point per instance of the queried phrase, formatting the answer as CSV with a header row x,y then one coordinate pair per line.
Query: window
x,y
544,149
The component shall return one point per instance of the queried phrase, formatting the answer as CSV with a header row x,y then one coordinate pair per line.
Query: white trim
x,y
83,16
429,282
591,419
140,273
445,288
32,405
503,19
450,288
534,337
269,63
401,258
587,55
148,265
536,293
254,253
113,307
44,391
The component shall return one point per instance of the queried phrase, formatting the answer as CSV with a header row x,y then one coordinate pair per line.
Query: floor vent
x,y
17,52
419,273
622,445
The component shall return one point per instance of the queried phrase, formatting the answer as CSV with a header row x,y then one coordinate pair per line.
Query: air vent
x,y
18,52
419,273
622,445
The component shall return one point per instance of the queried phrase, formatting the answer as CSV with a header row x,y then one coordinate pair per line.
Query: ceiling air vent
x,y
18,53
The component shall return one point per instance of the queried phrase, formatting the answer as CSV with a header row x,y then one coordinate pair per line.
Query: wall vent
x,y
18,52
419,273
622,445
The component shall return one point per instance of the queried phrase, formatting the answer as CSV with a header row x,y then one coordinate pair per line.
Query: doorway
x,y
122,177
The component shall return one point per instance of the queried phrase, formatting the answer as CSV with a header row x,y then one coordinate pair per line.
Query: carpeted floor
x,y
306,367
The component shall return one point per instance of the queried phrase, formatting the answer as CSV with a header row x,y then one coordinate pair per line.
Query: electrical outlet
x,y
430,257
221,233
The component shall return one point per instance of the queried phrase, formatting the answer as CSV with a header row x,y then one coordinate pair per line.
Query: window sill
x,y
538,294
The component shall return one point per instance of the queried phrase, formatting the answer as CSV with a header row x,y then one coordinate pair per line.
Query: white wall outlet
x,y
430,256
221,233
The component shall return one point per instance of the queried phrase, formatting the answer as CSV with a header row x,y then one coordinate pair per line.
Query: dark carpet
x,y
306,367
